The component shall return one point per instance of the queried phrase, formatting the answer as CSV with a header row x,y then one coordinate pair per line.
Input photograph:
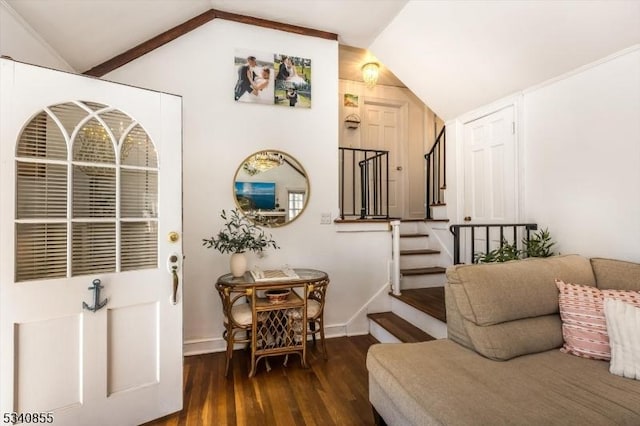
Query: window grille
x,y
86,193
296,203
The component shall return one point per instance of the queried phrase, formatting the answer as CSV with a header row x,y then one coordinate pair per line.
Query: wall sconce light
x,y
370,73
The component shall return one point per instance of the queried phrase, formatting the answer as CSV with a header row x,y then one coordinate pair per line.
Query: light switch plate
x,y
325,218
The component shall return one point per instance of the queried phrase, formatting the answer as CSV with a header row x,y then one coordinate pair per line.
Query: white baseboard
x,y
217,344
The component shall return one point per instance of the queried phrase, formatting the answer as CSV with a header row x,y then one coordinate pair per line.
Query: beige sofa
x,y
501,364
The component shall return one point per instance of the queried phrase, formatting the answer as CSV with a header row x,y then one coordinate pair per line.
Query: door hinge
x,y
513,127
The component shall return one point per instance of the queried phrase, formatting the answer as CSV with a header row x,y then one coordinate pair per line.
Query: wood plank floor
x,y
329,392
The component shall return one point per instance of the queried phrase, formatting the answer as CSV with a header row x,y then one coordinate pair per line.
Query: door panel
x,y
132,347
36,378
489,146
121,364
382,132
489,176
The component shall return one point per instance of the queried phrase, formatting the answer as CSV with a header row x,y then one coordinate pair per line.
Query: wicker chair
x,y
315,311
237,318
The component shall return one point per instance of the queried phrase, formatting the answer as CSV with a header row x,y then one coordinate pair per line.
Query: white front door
x,y
489,177
382,124
90,183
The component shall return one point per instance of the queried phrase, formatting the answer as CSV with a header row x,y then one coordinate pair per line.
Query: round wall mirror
x,y
271,188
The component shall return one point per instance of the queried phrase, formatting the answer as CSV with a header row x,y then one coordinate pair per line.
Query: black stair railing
x,y
436,183
364,183
487,237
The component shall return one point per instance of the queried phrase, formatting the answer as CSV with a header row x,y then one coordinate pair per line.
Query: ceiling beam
x,y
192,24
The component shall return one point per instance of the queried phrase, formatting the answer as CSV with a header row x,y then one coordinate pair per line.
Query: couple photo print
x,y
268,78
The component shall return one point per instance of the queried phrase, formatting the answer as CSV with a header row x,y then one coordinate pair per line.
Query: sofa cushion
x,y
616,274
584,328
441,382
510,309
623,326
489,294
514,338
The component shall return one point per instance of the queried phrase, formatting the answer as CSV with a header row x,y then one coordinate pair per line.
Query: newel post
x,y
395,257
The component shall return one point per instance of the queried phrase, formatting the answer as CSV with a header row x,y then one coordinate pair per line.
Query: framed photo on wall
x,y
254,77
292,81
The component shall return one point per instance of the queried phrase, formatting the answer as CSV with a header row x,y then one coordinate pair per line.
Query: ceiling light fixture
x,y
370,73
263,161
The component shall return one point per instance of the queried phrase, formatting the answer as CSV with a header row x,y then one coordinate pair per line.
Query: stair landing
x,y
428,300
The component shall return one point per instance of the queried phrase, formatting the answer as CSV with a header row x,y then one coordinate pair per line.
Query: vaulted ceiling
x,y
454,55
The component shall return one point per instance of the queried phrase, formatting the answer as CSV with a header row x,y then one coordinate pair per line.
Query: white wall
x,y
582,159
220,133
20,42
579,136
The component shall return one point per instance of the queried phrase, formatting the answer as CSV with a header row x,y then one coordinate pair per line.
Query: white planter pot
x,y
238,264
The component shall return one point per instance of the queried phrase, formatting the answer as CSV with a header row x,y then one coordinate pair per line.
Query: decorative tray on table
x,y
274,275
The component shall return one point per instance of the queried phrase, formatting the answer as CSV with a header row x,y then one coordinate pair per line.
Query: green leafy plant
x,y
503,253
238,235
538,245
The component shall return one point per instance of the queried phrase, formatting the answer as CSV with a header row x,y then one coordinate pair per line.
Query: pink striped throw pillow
x,y
584,327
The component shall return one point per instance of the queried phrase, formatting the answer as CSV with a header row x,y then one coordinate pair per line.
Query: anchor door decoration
x,y
90,187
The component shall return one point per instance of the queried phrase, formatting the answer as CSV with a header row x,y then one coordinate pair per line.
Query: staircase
x,y
418,314
417,301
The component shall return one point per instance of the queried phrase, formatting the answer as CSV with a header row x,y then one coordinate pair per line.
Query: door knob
x,y
467,218
399,168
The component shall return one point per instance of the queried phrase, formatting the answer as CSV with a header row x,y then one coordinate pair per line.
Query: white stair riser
x,y
414,243
422,281
424,322
422,260
439,212
413,227
381,333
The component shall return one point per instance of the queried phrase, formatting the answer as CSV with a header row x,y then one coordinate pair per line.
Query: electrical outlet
x,y
325,218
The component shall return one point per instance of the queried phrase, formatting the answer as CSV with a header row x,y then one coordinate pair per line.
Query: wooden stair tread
x,y
423,271
437,204
428,300
413,235
403,330
419,251
436,220
411,220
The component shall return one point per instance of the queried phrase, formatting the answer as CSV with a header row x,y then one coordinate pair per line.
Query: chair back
x,y
230,296
318,292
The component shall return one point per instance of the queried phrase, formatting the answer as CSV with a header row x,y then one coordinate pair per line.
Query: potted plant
x,y
237,236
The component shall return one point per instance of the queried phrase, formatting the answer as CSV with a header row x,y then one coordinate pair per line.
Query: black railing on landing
x,y
486,237
436,183
364,183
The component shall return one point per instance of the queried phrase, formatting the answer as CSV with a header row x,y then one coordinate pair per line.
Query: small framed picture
x,y
350,100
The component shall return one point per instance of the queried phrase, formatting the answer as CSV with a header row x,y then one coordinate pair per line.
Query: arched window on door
x,y
86,193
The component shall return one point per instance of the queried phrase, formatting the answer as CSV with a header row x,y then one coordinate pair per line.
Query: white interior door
x,y
382,125
489,174
90,184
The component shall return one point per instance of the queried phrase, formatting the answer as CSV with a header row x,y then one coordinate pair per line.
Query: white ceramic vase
x,y
238,264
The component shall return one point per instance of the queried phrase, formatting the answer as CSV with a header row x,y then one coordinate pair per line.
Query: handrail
x,y
370,188
436,180
457,236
